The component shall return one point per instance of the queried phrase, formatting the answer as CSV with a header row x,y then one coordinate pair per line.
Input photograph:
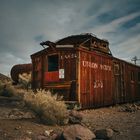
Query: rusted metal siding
x,y
95,79
19,69
68,60
126,86
132,84
68,63
37,72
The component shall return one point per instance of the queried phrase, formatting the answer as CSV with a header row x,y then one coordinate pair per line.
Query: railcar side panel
x,y
95,80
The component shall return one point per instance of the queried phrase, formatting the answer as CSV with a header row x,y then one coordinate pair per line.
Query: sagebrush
x,y
25,80
7,89
47,106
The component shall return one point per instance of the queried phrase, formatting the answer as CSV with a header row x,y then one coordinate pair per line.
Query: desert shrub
x,y
6,89
1,88
47,106
25,80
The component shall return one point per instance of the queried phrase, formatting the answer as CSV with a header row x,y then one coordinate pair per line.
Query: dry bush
x,y
7,89
1,87
47,106
25,80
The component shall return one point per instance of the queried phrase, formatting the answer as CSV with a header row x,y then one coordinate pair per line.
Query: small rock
x,y
48,132
104,134
41,137
18,127
29,115
55,137
75,117
77,132
29,132
24,138
129,108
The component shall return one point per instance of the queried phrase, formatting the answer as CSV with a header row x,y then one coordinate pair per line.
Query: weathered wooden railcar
x,y
83,70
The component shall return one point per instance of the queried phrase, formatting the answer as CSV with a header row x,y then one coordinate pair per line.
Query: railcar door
x,y
52,68
119,83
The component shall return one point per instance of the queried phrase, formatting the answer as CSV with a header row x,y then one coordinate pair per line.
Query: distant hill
x,y
4,77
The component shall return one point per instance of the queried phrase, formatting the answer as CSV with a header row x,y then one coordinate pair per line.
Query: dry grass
x,y
25,80
7,89
47,106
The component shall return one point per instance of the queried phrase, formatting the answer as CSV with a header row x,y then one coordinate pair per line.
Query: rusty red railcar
x,y
19,69
83,70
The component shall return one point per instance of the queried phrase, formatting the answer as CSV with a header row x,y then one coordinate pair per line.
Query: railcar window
x,y
132,76
138,76
53,63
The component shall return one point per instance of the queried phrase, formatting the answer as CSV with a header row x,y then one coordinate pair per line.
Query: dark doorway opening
x,y
52,63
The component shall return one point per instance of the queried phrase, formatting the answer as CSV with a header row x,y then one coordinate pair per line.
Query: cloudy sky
x,y
25,23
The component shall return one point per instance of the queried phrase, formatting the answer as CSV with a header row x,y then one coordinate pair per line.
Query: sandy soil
x,y
18,123
126,125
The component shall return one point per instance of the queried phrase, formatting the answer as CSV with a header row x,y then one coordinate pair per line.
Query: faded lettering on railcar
x,y
94,65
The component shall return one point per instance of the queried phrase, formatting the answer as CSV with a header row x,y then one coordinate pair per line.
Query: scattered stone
x,y
42,137
15,113
29,115
20,114
57,136
77,132
129,108
18,127
116,130
75,117
24,138
48,132
29,132
105,134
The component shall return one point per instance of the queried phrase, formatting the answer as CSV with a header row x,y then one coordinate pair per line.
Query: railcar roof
x,y
72,40
78,39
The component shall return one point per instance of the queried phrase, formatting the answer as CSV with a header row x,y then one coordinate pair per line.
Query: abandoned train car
x,y
19,69
83,70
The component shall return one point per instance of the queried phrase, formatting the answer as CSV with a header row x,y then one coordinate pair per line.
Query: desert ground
x,y
17,122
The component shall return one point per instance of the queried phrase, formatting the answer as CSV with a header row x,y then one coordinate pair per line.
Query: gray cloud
x,y
24,24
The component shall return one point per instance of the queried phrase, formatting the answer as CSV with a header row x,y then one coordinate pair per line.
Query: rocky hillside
x,y
3,77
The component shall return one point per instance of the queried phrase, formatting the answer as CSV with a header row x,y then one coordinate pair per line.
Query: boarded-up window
x,y
52,63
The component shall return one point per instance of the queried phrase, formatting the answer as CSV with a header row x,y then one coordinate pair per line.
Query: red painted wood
x,y
52,76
